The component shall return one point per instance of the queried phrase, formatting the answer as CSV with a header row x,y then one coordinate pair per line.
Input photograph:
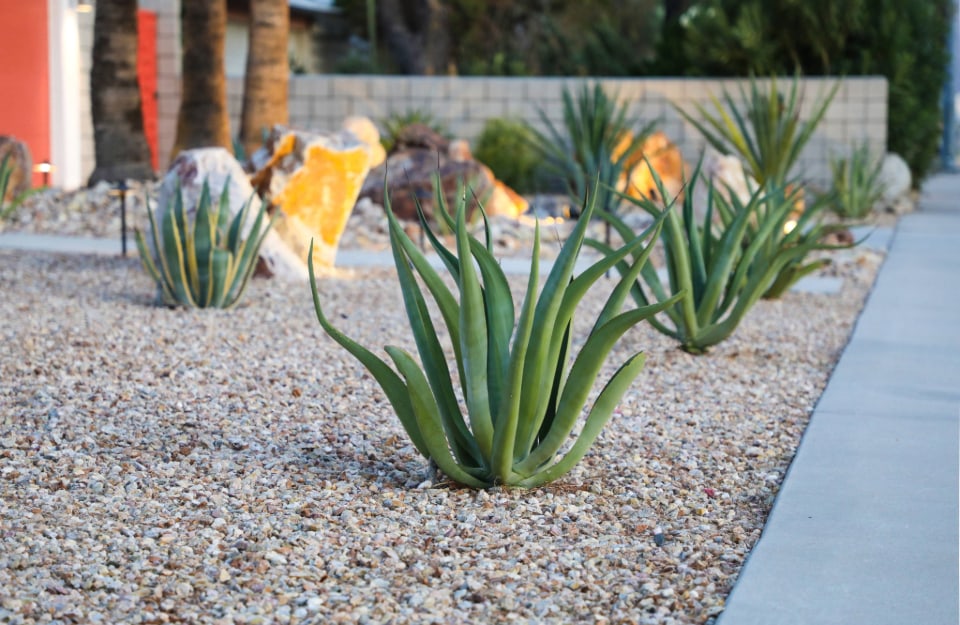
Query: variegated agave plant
x,y
204,262
522,386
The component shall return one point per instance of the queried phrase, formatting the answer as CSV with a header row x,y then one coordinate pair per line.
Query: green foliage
x,y
204,262
719,265
598,141
523,387
6,170
856,186
396,123
504,145
903,40
768,136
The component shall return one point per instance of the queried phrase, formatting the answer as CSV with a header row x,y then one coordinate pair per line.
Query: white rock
x,y
895,177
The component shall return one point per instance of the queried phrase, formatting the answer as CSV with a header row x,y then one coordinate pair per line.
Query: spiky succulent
x,y
718,266
522,387
206,261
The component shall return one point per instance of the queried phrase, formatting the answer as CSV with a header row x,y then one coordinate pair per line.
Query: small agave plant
x,y
204,262
522,386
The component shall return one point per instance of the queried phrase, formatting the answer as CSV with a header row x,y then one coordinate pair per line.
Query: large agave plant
x,y
522,386
768,136
203,262
717,268
598,140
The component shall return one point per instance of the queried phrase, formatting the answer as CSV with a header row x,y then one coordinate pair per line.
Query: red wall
x,y
24,77
147,76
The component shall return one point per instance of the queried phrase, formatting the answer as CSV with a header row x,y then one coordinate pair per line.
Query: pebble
x,y
157,462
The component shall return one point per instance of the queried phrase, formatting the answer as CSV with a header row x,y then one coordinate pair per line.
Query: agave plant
x,y
598,141
856,186
717,268
522,387
769,136
204,262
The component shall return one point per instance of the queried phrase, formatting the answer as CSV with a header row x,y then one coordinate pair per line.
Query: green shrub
x,y
523,395
592,145
204,262
396,123
6,170
856,186
719,267
504,145
768,136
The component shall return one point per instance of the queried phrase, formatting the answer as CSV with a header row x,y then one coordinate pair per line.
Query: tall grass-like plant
x,y
522,385
717,265
203,262
598,140
768,136
856,186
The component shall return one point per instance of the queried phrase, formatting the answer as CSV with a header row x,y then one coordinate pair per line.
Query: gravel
x,y
164,466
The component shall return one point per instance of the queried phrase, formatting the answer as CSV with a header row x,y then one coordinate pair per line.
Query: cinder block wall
x,y
857,113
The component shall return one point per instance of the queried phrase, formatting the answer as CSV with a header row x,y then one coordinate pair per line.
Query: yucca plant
x,y
203,262
769,136
856,186
717,268
598,140
521,384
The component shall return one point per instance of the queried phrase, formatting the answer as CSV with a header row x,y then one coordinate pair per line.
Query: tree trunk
x,y
120,144
268,71
415,32
203,120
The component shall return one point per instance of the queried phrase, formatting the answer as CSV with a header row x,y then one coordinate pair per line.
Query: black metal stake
x,y
122,190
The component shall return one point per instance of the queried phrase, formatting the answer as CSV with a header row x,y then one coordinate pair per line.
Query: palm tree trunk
x,y
268,71
203,120
120,144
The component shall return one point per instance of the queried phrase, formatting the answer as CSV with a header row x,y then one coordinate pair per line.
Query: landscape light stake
x,y
121,190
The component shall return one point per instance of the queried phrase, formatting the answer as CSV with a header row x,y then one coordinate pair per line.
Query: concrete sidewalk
x,y
865,527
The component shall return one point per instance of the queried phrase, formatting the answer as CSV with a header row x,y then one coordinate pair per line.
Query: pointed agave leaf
x,y
393,386
426,413
602,409
174,259
200,247
432,357
473,342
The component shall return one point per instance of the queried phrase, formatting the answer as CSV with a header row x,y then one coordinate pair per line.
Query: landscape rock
x,y
221,170
20,177
314,180
660,154
364,129
895,178
409,173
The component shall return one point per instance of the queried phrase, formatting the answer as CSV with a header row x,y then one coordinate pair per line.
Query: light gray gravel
x,y
237,466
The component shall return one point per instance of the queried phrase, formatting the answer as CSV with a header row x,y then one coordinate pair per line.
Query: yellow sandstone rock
x,y
314,180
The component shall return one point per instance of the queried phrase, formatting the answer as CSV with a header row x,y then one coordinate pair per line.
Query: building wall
x,y
24,80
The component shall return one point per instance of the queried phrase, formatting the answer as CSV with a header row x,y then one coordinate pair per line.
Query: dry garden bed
x,y
238,466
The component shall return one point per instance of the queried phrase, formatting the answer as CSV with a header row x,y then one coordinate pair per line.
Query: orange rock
x,y
665,159
314,181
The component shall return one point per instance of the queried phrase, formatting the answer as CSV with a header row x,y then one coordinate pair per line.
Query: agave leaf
x,y
173,258
473,341
508,414
426,413
602,409
393,386
433,359
200,248
585,368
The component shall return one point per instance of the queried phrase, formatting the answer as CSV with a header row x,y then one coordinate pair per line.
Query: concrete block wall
x,y
858,112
